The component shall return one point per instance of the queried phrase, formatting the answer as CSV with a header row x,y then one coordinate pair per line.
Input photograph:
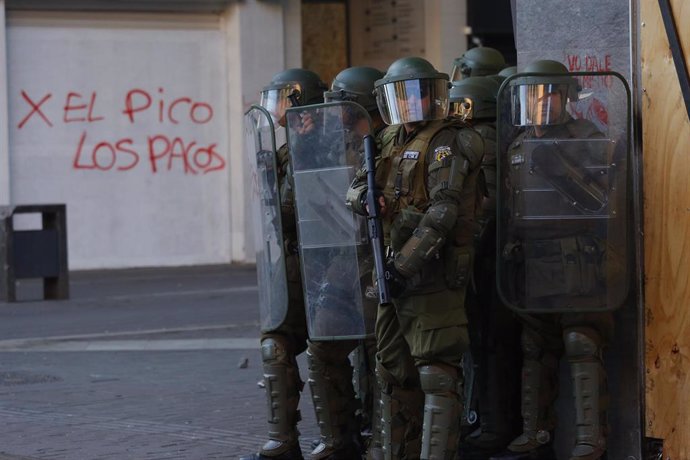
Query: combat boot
x,y
294,453
283,387
583,350
537,396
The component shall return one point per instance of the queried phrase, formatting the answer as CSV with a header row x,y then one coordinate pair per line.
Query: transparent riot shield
x,y
260,146
326,149
564,228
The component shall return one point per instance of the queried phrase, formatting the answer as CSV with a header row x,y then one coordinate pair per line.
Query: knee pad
x,y
275,349
437,380
582,342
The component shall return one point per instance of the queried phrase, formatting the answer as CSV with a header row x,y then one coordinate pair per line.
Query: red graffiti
x,y
141,107
597,110
71,108
139,100
194,158
590,63
35,108
162,152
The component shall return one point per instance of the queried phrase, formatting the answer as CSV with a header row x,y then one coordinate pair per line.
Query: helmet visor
x,y
458,72
408,101
277,100
538,104
462,108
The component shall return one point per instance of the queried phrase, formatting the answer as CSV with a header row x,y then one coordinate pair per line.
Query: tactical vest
x,y
402,173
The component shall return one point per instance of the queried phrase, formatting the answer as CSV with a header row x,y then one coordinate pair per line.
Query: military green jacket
x,y
428,178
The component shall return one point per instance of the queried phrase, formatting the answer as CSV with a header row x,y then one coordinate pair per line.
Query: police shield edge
x,y
326,149
564,234
260,147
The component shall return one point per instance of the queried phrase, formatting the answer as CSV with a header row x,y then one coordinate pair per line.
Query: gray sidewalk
x,y
138,364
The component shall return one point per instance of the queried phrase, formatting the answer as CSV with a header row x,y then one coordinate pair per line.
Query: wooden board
x,y
324,38
666,170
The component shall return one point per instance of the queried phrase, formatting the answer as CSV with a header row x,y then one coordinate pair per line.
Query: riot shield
x,y
325,147
564,235
260,146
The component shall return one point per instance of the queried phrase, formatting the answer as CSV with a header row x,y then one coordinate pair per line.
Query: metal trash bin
x,y
38,253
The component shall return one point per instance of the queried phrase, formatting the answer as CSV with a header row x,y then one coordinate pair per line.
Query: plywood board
x,y
666,170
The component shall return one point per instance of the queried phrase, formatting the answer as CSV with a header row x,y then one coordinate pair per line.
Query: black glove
x,y
363,200
396,282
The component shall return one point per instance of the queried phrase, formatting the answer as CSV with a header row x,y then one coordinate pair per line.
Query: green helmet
x,y
355,84
412,90
477,62
290,87
539,100
473,98
508,71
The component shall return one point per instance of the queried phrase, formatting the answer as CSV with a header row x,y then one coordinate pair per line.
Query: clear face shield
x,y
278,100
352,117
459,72
539,104
462,109
409,101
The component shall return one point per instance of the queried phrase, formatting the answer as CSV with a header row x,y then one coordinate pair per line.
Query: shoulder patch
x,y
442,152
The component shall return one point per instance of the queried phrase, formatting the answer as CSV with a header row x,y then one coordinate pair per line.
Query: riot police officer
x,y
285,338
494,336
558,205
477,62
330,373
427,174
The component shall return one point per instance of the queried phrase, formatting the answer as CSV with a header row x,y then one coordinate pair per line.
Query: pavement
x,y
138,364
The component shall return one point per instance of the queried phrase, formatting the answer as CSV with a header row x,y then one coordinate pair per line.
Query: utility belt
x,y
557,266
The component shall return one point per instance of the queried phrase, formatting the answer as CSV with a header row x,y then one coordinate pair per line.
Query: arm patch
x,y
442,152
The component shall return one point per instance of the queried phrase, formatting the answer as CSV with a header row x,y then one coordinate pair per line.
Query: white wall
x,y
142,189
5,197
262,39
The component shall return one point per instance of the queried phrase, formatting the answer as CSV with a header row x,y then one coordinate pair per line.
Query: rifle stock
x,y
374,222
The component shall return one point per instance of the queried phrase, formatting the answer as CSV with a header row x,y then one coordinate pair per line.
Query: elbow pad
x,y
427,239
419,249
356,197
448,174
